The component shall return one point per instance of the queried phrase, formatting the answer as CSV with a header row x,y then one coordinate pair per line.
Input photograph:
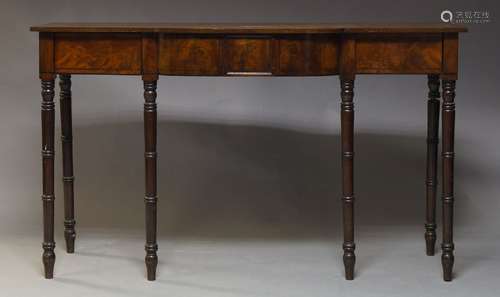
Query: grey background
x,y
249,171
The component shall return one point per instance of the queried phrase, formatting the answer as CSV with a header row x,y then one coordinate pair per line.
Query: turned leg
x,y
150,158
347,130
432,154
448,111
67,158
48,245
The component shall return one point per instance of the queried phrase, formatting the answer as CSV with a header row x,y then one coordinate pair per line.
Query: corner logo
x,y
446,16
466,17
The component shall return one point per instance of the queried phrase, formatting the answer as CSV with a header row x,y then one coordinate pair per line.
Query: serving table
x,y
186,49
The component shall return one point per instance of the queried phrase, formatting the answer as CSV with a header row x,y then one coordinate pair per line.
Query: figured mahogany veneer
x,y
300,55
150,50
307,55
98,53
251,49
247,55
388,53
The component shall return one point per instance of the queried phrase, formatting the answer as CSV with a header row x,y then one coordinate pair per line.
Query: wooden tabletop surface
x,y
252,28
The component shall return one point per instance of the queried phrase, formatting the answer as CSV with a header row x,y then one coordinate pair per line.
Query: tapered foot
x,y
349,269
70,245
430,239
69,236
349,261
151,261
447,260
430,248
49,259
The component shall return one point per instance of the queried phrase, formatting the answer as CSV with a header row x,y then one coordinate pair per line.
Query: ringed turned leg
x,y
150,162
448,155
47,111
347,131
432,154
67,158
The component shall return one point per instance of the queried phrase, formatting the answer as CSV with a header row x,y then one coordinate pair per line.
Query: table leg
x,y
47,111
150,162
432,154
347,131
67,158
448,111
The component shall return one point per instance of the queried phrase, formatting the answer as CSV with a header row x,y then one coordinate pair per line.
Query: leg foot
x,y
430,239
347,131
432,157
448,156
151,261
447,260
67,158
69,236
349,260
48,257
150,161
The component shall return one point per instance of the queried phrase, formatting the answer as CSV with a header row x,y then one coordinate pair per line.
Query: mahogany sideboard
x,y
153,49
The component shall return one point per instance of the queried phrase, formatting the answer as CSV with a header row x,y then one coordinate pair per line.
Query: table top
x,y
251,28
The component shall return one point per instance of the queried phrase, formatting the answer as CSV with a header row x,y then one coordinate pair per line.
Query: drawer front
x,y
307,55
247,55
215,55
244,55
97,53
399,54
189,55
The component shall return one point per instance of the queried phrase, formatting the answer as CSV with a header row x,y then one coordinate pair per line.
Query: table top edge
x,y
249,28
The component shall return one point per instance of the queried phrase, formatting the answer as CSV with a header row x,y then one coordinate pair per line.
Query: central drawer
x,y
190,55
248,55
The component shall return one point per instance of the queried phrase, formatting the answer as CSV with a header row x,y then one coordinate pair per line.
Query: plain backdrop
x,y
249,168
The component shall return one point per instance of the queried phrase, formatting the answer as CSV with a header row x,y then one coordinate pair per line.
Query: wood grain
x,y
46,55
244,54
307,55
150,56
403,54
190,55
98,53
217,55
